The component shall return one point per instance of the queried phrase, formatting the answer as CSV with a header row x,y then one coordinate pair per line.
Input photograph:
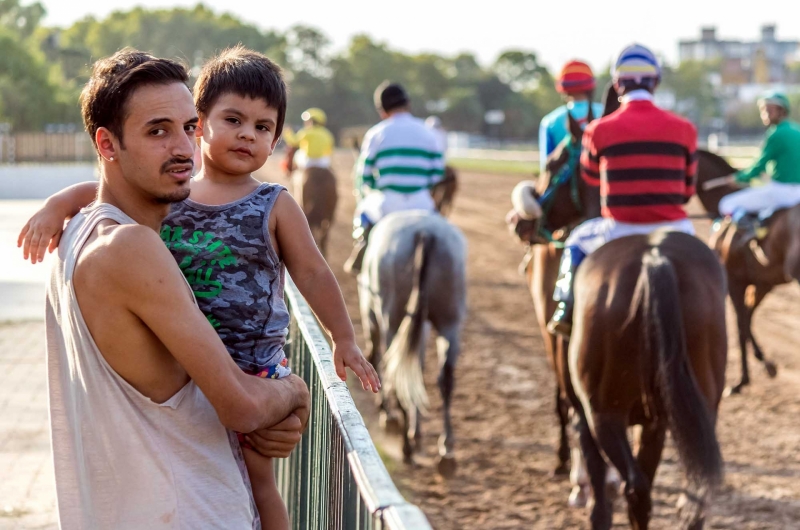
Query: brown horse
x,y
754,267
444,191
621,372
649,348
314,189
566,204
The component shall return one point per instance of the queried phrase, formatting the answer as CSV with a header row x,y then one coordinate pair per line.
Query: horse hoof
x,y
772,370
561,470
390,424
734,390
613,489
579,497
446,466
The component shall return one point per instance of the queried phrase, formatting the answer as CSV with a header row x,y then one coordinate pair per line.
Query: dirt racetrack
x,y
503,407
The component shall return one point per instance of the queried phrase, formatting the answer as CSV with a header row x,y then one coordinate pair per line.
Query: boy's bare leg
x,y
265,491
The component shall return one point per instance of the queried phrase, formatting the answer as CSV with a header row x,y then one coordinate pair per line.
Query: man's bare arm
x,y
146,277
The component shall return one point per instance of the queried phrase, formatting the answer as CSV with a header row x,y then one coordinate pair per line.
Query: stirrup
x,y
561,322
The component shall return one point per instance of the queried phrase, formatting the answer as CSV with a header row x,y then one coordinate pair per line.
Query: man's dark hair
x,y
245,73
114,79
390,96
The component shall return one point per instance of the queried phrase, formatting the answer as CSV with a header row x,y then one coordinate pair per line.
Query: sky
x,y
557,30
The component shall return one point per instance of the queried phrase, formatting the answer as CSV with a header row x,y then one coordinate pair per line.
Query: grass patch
x,y
483,165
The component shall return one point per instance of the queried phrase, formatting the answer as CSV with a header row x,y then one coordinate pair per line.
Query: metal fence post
x,y
335,478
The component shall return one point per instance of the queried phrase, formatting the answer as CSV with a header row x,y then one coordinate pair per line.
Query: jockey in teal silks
x,y
576,84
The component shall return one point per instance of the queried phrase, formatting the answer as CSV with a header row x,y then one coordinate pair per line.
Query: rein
x,y
568,174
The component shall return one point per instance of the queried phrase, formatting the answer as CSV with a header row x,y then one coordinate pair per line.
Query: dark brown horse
x,y
754,267
622,369
649,348
444,191
566,204
314,189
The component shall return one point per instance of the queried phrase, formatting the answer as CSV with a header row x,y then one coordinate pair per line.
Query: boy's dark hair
x,y
114,79
243,72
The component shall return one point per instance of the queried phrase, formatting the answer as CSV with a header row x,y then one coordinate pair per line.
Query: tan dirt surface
x,y
503,407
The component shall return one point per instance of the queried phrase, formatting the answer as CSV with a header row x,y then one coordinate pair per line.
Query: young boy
x,y
234,236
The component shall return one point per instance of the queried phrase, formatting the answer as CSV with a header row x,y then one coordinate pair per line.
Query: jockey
x,y
314,141
576,85
782,149
644,160
399,163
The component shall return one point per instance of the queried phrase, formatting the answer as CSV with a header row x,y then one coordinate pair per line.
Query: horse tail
x,y
690,419
402,363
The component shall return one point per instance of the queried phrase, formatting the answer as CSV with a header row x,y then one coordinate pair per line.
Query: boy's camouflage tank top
x,y
226,254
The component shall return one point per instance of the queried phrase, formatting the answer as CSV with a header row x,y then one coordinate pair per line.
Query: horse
x,y
621,369
754,267
565,203
413,276
314,189
444,191
649,348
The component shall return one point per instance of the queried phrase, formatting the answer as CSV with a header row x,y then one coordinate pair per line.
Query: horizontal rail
x,y
335,478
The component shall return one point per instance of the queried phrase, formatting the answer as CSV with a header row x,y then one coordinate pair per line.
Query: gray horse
x,y
414,275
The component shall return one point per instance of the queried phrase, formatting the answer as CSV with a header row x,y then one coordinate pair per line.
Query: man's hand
x,y
349,355
279,440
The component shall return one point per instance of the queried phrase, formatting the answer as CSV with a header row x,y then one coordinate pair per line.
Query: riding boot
x,y
356,259
747,223
561,323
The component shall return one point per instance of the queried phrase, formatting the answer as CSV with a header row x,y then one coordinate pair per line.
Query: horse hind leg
x,y
563,453
449,348
737,291
610,432
759,291
601,513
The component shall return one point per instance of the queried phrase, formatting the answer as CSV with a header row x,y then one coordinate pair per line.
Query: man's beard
x,y
178,195
175,196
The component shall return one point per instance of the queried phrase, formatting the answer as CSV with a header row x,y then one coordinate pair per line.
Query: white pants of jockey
x,y
378,204
594,233
302,161
753,200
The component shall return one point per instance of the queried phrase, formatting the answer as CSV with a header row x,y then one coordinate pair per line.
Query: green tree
x,y
519,69
22,20
694,93
29,97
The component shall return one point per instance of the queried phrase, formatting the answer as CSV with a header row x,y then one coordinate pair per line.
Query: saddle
x,y
755,226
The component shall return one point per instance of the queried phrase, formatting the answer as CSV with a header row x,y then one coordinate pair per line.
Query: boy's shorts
x,y
276,371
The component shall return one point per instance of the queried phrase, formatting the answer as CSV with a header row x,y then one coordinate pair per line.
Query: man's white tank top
x,y
121,460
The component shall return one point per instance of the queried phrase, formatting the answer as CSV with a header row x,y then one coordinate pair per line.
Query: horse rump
x,y
402,367
657,300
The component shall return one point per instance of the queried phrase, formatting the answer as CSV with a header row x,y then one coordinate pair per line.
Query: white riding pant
x,y
302,161
594,233
378,204
753,200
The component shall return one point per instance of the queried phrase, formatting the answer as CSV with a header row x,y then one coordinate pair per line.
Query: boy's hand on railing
x,y
349,355
41,233
279,440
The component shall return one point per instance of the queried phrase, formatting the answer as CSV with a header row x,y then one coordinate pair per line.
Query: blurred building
x,y
767,61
